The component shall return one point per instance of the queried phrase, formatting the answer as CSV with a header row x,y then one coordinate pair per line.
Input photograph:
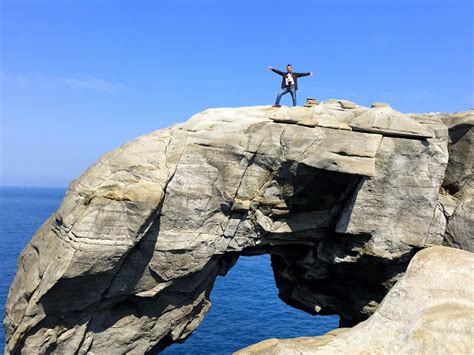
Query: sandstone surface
x,y
127,262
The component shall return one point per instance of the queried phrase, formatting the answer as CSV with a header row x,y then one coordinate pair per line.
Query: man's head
x,y
289,68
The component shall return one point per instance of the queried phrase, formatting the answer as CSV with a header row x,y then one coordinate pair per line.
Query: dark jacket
x,y
293,74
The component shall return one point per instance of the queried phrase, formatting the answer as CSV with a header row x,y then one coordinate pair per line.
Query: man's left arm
x,y
303,74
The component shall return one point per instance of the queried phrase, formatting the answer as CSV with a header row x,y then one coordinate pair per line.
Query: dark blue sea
x,y
245,305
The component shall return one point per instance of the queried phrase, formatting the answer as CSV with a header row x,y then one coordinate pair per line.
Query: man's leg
x,y
293,95
280,94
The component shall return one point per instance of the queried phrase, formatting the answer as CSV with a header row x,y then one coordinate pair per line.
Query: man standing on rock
x,y
289,83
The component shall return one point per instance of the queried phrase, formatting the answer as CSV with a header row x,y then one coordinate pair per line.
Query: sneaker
x,y
276,105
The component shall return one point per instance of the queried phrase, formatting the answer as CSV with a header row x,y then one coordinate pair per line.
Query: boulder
x,y
348,104
430,310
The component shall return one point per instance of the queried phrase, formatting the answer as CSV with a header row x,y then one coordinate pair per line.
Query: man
x,y
289,83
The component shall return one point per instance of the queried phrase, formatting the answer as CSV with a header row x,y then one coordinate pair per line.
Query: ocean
x,y
245,305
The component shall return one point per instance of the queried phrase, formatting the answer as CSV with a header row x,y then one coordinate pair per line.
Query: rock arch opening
x,y
295,221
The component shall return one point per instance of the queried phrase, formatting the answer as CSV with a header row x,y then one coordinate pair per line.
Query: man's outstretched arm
x,y
276,70
303,74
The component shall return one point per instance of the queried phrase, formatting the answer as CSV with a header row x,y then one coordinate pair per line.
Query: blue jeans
x,y
286,90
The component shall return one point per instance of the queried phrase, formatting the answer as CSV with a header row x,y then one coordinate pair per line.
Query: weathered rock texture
x,y
342,196
429,311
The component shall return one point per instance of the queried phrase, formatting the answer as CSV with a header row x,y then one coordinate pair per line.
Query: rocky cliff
x,y
342,196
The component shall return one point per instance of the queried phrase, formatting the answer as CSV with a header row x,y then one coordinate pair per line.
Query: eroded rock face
x,y
460,170
127,262
429,311
457,195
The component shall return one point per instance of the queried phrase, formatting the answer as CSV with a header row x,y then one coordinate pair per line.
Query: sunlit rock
x,y
127,262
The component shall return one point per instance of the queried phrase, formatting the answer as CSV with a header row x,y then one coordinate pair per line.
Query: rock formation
x,y
342,196
430,310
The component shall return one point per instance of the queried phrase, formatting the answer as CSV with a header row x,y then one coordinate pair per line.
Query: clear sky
x,y
80,78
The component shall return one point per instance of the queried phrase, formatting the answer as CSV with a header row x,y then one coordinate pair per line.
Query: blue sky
x,y
80,78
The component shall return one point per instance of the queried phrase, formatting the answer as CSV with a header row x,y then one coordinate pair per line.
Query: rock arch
x,y
341,195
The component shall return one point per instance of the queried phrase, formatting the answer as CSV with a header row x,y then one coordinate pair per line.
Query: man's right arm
x,y
276,70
